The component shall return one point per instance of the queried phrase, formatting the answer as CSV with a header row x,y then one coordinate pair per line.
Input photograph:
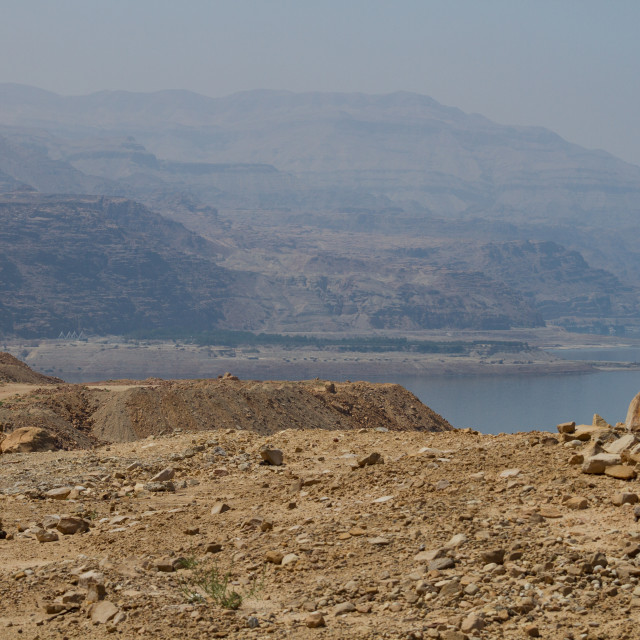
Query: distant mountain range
x,y
304,212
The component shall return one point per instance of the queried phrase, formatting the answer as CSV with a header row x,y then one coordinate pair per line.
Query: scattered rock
x,y
219,507
69,525
102,612
344,607
274,557
59,493
271,456
577,503
372,458
46,536
493,556
567,427
624,498
621,472
597,463
314,620
164,475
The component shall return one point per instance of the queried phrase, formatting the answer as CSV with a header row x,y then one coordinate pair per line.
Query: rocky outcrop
x,y
28,440
633,414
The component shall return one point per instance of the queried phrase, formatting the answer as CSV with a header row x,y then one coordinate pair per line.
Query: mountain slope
x,y
402,147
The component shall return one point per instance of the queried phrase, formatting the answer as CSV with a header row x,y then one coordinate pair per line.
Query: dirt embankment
x,y
82,415
14,370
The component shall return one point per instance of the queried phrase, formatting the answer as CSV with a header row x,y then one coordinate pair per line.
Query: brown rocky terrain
x,y
242,509
120,411
363,533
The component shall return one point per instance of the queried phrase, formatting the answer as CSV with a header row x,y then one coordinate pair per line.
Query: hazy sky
x,y
570,65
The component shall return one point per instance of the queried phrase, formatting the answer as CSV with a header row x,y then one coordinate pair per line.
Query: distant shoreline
x,y
109,358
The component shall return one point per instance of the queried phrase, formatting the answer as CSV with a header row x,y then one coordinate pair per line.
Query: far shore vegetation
x,y
363,344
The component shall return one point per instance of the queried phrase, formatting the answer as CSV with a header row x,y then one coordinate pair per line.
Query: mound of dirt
x,y
262,407
122,412
14,370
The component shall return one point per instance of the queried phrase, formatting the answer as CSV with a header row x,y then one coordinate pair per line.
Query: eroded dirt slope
x,y
119,412
14,370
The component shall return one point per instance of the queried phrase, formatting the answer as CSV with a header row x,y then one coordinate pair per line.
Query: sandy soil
x,y
455,535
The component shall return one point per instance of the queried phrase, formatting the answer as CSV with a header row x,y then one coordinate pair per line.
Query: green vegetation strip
x,y
377,344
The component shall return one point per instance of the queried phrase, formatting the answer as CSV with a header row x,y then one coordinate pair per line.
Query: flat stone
x,y
379,541
549,511
52,608
165,565
597,463
510,473
73,597
440,564
50,521
450,588
621,444
621,472
60,493
90,577
289,558
159,487
473,622
164,475
102,612
428,556
456,541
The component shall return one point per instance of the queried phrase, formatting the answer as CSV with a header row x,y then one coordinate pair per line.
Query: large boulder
x,y
28,439
633,415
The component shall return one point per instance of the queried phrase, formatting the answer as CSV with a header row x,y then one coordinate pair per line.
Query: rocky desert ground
x,y
332,511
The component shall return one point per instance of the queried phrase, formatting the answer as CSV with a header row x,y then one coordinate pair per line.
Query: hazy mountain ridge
x,y
272,179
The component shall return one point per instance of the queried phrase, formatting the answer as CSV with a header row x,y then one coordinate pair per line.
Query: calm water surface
x,y
495,404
